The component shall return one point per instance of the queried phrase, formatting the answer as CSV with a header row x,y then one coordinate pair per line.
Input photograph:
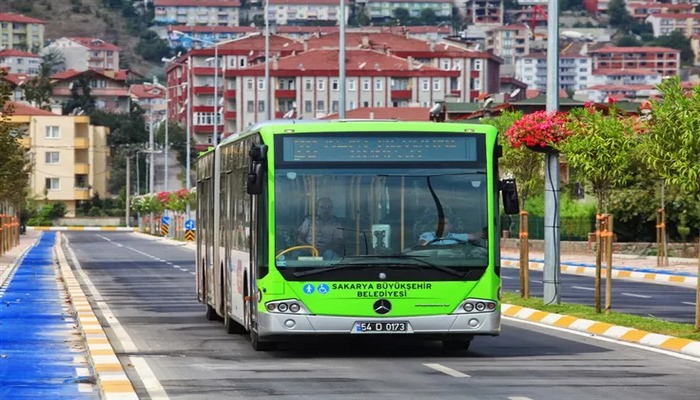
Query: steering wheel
x,y
314,251
455,240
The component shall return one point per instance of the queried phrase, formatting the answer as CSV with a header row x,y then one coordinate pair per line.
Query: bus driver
x,y
327,232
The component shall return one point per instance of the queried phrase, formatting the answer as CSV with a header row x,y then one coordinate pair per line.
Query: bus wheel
x,y
456,344
232,326
258,345
210,313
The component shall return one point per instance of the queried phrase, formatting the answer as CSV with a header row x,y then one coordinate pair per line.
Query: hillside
x,y
84,18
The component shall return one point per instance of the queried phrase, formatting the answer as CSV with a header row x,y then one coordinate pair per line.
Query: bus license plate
x,y
381,327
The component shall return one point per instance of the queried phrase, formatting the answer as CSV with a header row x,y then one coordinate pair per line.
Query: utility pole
x,y
166,147
189,133
128,187
268,105
341,62
151,157
552,272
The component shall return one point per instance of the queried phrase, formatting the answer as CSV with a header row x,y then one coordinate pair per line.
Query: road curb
x,y
82,228
112,381
670,343
618,273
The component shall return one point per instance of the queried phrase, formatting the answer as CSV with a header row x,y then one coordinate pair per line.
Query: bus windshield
x,y
361,218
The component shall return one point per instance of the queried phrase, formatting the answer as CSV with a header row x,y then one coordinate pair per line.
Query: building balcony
x,y
474,74
203,90
457,93
81,169
230,93
229,115
285,94
81,143
203,71
209,109
279,114
401,94
204,128
26,142
81,193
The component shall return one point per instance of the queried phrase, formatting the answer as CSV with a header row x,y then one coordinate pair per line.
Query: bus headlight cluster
x,y
291,306
476,306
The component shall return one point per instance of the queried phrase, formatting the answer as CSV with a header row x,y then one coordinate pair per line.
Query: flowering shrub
x,y
146,203
539,129
173,201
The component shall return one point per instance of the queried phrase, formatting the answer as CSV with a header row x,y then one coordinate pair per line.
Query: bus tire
x,y
232,326
456,344
210,314
258,345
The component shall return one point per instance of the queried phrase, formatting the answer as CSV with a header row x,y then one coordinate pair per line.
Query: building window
x,y
51,157
308,106
52,184
477,65
351,85
335,85
320,105
242,62
261,106
334,106
308,86
249,84
424,84
321,84
445,64
476,84
261,84
365,84
379,103
378,85
53,132
250,106
436,84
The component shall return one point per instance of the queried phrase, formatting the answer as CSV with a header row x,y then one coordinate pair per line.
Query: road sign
x,y
189,235
189,224
165,220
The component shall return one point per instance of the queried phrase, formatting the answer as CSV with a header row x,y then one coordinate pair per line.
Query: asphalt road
x,y
143,293
669,302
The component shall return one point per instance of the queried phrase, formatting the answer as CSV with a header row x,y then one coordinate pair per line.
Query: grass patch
x,y
649,324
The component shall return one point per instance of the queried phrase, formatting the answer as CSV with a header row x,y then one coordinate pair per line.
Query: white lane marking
x,y
690,303
447,370
84,388
169,263
606,339
80,372
122,337
191,273
155,390
508,277
582,288
537,281
641,296
518,398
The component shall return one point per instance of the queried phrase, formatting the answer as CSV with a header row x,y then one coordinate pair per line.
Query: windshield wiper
x,y
337,267
422,263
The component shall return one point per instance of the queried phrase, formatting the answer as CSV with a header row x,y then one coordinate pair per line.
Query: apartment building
x,y
19,62
601,93
69,155
484,12
308,83
20,32
575,71
663,60
641,10
622,77
664,23
382,11
596,7
479,71
197,12
148,95
15,82
109,88
83,53
509,42
302,12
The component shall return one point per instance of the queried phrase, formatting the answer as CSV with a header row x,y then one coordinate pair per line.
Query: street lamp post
x,y
268,109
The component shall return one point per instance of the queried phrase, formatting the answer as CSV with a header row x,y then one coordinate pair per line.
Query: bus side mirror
x,y
509,191
256,170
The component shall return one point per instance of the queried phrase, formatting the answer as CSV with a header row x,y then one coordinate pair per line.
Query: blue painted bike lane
x,y
42,354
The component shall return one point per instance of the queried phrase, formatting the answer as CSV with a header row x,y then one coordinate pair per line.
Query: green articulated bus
x,y
353,227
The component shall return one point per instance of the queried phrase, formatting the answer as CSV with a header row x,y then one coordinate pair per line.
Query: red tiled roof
x,y
22,109
15,79
531,93
358,61
399,113
19,18
147,91
307,29
625,71
333,3
676,15
619,88
17,53
197,3
376,40
416,29
94,43
95,92
257,42
120,75
668,6
632,50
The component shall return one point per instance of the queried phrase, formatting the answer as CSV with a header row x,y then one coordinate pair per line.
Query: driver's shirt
x,y
326,231
450,238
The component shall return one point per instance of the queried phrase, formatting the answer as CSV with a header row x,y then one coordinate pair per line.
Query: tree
x,y
14,167
428,17
39,89
402,16
619,15
177,136
676,40
81,99
672,144
524,165
628,41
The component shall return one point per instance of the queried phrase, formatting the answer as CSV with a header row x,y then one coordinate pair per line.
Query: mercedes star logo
x,y
382,306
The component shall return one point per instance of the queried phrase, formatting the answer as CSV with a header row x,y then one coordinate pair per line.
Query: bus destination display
x,y
379,149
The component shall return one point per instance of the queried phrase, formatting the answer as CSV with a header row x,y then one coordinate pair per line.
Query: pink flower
x,y
538,129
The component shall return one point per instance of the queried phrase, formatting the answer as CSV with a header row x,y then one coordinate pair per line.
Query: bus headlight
x,y
291,306
475,306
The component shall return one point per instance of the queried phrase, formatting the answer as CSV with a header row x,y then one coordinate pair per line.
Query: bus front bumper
x,y
270,324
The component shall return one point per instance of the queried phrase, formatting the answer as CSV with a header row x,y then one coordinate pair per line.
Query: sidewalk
x,y
12,256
